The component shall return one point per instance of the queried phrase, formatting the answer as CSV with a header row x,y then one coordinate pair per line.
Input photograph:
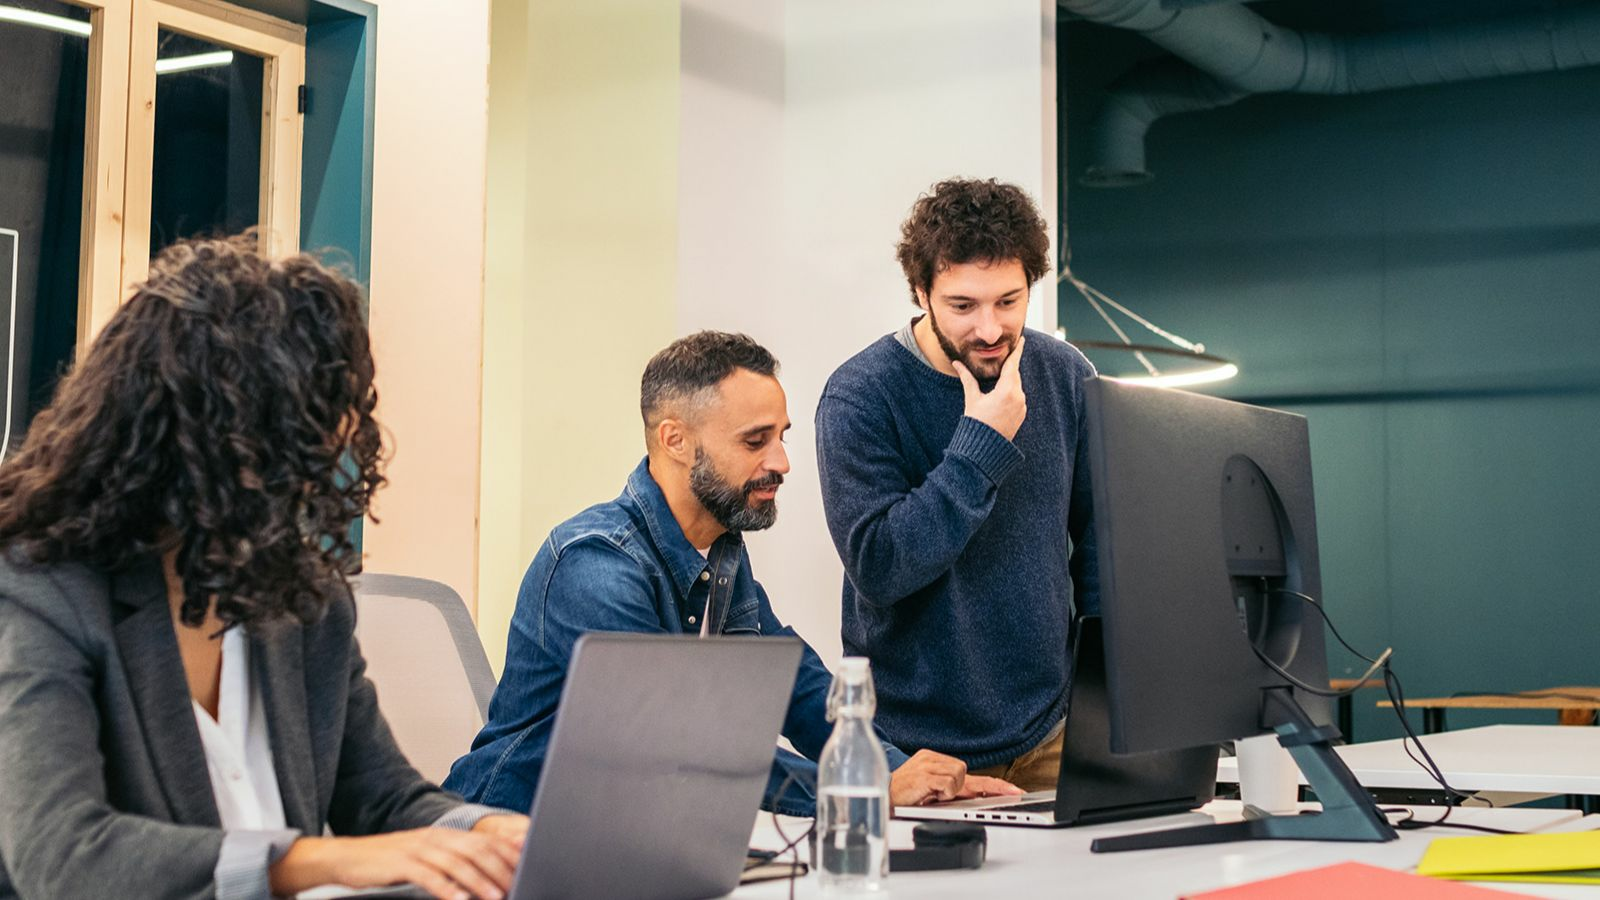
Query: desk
x,y
1570,709
1039,862
1541,759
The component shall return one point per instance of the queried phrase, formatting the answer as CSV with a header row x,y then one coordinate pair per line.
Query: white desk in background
x,y
1041,862
1535,759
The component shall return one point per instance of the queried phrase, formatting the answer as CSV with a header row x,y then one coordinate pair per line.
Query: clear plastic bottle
x,y
852,788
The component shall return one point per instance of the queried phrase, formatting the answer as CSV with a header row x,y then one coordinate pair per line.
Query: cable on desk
x,y
1391,683
1412,823
777,824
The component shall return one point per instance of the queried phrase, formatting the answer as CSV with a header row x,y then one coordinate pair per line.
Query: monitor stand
x,y
1348,811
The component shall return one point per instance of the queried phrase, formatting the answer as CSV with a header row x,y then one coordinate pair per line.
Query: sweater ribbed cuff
x,y
465,816
994,456
895,755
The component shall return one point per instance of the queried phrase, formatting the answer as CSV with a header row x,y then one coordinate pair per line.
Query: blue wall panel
x,y
1416,271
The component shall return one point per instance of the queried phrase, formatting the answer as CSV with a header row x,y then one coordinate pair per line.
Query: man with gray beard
x,y
668,557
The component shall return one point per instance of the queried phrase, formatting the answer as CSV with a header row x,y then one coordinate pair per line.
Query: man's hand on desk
x,y
929,777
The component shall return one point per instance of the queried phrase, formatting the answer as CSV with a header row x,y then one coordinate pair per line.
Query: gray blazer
x,y
103,782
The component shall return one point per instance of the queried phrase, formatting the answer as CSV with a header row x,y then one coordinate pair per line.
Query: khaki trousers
x,y
1035,770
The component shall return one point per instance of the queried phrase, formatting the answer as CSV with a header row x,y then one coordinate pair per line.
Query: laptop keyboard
x,y
1042,806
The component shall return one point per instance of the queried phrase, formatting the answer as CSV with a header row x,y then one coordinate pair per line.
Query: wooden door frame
x,y
104,146
281,45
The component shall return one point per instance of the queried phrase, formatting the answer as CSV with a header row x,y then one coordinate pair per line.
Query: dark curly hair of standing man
x,y
964,220
226,412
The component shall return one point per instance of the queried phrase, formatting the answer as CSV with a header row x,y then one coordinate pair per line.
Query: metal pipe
x,y
1229,52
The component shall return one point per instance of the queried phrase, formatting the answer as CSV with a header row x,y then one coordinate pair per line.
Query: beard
x,y
966,354
728,503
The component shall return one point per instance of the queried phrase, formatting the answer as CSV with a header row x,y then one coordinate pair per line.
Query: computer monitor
x,y
1206,531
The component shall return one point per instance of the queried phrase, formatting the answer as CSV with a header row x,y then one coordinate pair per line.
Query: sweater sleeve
x,y
896,538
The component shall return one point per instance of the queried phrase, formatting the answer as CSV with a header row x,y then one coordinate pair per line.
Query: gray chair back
x,y
424,656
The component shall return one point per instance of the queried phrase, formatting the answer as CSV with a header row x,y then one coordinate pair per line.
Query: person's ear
x,y
675,440
922,299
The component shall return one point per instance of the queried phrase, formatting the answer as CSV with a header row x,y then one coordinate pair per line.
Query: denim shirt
x,y
627,566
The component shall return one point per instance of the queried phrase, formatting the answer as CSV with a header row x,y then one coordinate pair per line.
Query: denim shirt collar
x,y
682,560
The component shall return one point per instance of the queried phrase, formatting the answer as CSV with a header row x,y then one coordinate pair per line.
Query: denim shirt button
x,y
722,581
705,576
691,620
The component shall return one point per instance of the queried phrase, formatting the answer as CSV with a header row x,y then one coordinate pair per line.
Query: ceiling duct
x,y
1226,52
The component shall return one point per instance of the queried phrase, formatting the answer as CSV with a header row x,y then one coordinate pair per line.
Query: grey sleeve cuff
x,y
994,456
463,817
241,872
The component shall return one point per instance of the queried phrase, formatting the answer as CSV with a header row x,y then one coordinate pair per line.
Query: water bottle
x,y
852,788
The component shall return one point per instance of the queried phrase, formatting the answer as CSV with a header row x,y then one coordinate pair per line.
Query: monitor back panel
x,y
1181,672
1097,785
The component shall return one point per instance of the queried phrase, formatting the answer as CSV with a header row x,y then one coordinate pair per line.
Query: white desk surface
x,y
1041,862
1546,759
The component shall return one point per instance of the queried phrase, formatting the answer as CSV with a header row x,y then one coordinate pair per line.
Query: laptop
x,y
661,750
1094,785
657,763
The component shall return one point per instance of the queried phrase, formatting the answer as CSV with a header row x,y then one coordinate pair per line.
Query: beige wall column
x,y
427,284
582,225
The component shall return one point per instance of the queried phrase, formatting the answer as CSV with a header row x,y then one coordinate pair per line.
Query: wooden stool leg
x,y
1577,717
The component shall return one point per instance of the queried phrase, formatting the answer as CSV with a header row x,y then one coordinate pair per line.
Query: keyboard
x,y
1042,806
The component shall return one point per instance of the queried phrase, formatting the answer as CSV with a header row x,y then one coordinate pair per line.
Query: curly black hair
x,y
225,411
965,220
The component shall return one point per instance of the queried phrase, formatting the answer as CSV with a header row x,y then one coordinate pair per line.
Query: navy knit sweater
x,y
962,551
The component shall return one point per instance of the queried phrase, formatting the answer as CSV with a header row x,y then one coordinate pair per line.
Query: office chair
x,y
424,656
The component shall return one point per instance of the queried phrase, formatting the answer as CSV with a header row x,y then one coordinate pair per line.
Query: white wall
x,y
430,141
808,128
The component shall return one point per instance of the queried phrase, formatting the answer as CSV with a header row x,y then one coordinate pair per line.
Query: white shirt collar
x,y
238,746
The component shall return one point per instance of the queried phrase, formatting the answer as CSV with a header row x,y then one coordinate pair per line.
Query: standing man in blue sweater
x,y
955,486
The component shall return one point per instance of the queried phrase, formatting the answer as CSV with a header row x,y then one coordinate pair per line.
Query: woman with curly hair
x,y
183,707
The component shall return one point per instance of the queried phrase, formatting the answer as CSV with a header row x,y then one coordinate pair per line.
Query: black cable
x,y
1392,686
1372,670
1380,663
1396,692
1409,813
1412,823
1397,698
1329,622
794,867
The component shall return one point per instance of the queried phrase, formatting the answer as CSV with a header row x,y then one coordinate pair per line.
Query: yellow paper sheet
x,y
1572,858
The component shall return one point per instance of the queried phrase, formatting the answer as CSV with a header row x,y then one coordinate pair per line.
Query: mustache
x,y
771,479
1003,342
